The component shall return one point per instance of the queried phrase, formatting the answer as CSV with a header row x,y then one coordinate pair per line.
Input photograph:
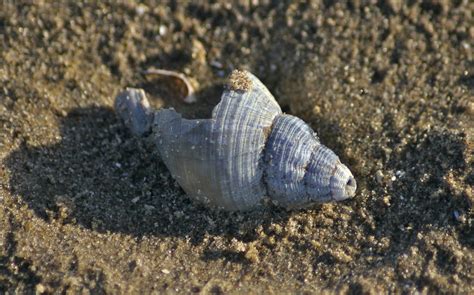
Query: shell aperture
x,y
246,151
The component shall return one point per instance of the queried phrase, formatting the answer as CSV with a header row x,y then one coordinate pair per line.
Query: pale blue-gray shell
x,y
247,151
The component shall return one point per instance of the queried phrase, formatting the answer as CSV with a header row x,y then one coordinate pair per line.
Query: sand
x,y
87,208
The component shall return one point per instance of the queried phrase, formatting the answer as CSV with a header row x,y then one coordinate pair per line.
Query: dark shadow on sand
x,y
100,177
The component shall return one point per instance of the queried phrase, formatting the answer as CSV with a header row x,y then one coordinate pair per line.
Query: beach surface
x,y
85,207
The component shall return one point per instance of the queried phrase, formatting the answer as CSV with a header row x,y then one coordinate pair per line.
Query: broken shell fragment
x,y
246,152
189,96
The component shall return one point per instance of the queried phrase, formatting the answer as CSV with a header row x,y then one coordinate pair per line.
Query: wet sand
x,y
87,208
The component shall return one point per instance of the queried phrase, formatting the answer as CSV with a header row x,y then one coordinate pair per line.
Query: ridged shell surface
x,y
246,151
298,166
287,156
219,161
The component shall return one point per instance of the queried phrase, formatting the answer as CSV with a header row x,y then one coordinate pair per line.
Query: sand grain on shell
x,y
239,80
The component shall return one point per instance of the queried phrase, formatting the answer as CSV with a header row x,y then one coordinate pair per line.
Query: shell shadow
x,y
101,178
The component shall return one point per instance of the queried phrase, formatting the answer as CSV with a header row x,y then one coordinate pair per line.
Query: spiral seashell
x,y
246,152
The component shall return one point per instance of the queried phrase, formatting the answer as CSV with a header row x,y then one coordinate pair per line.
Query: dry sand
x,y
87,208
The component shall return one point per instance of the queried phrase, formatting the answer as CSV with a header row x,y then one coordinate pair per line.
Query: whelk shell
x,y
247,151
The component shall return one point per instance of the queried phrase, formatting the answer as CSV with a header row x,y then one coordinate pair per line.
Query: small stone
x,y
238,245
165,271
141,9
63,113
470,107
179,214
395,5
135,200
216,64
460,217
386,200
162,30
149,207
40,289
341,256
199,52
316,245
252,254
317,110
379,177
400,173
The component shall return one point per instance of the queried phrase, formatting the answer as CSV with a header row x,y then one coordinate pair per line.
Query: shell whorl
x,y
287,156
219,160
299,169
